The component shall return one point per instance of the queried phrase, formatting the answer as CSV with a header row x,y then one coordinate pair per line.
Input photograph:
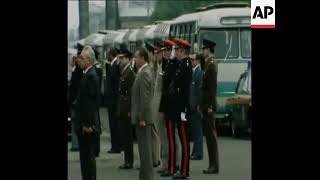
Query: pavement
x,y
234,154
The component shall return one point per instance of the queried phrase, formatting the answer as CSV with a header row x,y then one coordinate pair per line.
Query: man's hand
x,y
210,110
198,108
142,124
162,115
86,130
129,114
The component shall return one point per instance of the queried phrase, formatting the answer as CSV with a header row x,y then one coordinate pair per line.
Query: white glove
x,y
173,53
183,116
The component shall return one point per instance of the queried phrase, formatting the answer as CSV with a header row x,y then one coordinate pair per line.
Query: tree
x,y
84,19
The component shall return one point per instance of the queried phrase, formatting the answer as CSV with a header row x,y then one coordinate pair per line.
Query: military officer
x,y
179,94
164,109
124,102
208,105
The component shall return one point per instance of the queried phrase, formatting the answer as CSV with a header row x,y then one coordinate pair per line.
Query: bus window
x,y
182,32
227,41
192,28
245,42
171,32
177,31
188,33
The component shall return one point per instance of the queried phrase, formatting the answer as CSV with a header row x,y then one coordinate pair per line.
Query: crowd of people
x,y
164,101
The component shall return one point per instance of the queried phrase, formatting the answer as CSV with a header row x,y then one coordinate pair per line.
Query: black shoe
x,y
156,165
160,171
165,173
211,170
126,166
74,149
196,157
112,151
179,175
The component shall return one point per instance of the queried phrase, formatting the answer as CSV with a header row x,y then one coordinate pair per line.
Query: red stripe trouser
x,y
185,146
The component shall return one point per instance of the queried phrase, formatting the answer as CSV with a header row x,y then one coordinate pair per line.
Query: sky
x,y
73,11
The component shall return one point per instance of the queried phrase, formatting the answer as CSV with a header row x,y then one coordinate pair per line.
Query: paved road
x,y
235,162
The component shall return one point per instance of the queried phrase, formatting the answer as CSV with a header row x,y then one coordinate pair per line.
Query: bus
x,y
229,27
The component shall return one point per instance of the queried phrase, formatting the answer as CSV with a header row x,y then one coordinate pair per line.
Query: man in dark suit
x,y
124,107
196,124
141,113
98,69
111,95
74,88
208,105
86,110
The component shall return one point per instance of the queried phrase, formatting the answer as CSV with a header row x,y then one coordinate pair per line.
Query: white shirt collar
x,y
198,65
112,62
85,71
146,64
125,68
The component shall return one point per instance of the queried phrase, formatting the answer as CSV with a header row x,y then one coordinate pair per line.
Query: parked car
x,y
239,106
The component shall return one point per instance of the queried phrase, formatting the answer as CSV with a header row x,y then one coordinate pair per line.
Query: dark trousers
x,y
185,146
210,132
197,134
97,150
114,128
144,137
127,139
87,144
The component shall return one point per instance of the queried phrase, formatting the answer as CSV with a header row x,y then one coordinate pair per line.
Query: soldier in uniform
x,y
178,115
208,105
164,109
124,103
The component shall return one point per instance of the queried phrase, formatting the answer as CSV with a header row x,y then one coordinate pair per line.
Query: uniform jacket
x,y
209,85
168,75
125,86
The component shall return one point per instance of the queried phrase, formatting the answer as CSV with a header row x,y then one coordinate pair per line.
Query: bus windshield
x,y
227,42
245,42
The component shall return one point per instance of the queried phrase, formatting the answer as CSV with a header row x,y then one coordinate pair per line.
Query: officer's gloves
x,y
173,53
183,117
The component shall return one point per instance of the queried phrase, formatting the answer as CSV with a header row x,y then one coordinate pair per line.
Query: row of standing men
x,y
166,96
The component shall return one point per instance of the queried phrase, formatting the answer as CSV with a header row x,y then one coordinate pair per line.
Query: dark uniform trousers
x,y
87,145
144,136
210,133
127,139
183,131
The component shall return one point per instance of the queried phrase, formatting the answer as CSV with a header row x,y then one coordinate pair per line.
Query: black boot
x,y
211,170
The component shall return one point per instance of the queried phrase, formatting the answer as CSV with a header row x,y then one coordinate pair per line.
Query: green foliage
x,y
167,10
